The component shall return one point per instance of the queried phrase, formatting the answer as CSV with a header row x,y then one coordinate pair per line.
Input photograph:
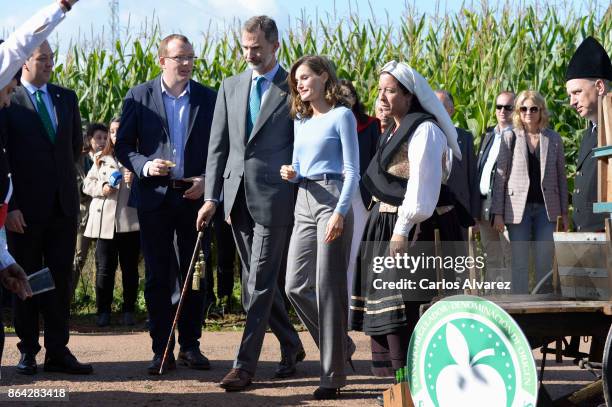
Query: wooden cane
x,y
194,258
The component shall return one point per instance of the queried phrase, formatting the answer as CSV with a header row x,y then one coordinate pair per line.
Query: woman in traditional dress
x,y
406,177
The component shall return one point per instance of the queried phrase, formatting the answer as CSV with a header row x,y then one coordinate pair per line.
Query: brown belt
x,y
384,207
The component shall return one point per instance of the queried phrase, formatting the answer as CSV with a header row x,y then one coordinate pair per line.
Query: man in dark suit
x,y
42,129
462,180
163,139
588,76
252,136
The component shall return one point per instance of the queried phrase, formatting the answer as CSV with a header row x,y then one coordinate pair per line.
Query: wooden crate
x,y
582,260
398,395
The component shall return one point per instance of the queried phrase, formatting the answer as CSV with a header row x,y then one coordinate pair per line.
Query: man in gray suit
x,y
251,137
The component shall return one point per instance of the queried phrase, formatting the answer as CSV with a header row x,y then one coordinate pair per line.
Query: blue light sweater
x,y
327,144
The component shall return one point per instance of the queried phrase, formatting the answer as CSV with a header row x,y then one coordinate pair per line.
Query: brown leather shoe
x,y
236,380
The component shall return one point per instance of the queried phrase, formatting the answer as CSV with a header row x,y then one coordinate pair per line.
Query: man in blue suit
x,y
163,139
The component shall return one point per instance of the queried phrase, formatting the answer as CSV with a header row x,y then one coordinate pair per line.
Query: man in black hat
x,y
588,76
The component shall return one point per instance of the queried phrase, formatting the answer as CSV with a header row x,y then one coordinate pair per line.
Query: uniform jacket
x,y
585,187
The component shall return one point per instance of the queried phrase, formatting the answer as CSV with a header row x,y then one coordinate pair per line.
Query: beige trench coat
x,y
110,214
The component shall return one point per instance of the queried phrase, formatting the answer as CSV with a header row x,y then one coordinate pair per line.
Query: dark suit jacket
x,y
43,172
462,181
5,173
144,136
483,154
585,187
233,161
483,151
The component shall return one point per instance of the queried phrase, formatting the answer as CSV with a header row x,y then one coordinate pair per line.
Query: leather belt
x,y
325,177
179,184
384,207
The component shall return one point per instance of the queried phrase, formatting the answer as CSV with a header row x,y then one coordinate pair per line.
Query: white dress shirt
x,y
47,99
21,44
485,180
425,151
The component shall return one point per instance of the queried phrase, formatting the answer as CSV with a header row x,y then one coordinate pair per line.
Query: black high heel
x,y
326,393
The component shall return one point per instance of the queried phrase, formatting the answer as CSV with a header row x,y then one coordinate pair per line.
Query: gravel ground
x,y
119,378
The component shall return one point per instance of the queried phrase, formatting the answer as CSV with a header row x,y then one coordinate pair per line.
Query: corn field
x,y
473,54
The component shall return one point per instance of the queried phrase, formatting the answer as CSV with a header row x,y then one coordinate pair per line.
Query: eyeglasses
x,y
532,109
183,59
508,108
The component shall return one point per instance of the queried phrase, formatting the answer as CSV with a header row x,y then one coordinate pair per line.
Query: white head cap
x,y
419,87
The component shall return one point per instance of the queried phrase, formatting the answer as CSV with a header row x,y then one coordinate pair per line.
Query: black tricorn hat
x,y
589,61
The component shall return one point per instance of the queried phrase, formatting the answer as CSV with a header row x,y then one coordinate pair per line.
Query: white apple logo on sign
x,y
465,383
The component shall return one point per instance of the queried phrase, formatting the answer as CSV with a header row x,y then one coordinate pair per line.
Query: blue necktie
x,y
254,105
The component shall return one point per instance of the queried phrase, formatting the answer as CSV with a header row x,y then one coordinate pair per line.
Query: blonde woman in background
x,y
530,189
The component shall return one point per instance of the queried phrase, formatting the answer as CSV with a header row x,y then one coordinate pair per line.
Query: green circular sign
x,y
467,351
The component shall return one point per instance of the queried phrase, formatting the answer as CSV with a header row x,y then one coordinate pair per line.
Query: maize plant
x,y
473,53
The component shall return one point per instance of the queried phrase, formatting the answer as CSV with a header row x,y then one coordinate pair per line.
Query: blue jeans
x,y
536,232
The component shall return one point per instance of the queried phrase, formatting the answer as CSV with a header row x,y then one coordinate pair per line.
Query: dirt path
x,y
120,378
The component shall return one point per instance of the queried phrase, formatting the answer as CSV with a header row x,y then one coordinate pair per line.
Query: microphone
x,y
115,179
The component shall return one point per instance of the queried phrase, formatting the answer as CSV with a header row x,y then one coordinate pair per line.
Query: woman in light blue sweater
x,y
326,166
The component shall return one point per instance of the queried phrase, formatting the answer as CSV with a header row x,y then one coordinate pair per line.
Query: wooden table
x,y
542,317
545,317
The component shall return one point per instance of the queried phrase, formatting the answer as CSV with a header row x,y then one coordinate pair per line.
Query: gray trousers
x,y
261,252
316,276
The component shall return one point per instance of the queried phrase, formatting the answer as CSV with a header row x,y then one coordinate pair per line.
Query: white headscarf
x,y
419,87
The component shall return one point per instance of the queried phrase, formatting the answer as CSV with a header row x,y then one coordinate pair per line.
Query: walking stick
x,y
192,264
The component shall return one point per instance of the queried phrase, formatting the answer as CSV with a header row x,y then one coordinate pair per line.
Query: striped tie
x,y
254,105
44,115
